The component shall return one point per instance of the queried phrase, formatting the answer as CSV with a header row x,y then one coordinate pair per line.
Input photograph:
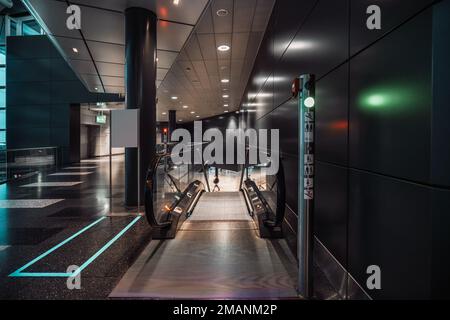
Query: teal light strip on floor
x,y
105,247
19,272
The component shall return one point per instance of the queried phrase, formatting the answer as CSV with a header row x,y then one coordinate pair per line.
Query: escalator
x,y
212,245
173,192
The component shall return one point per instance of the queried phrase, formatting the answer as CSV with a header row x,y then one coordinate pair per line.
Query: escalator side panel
x,y
260,211
181,211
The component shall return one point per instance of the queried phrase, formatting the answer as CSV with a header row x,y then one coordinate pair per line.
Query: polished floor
x,y
51,221
216,255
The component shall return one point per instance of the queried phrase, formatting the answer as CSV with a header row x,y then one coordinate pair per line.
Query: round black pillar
x,y
172,123
140,73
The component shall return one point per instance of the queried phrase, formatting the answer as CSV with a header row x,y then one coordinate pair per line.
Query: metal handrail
x,y
150,188
29,149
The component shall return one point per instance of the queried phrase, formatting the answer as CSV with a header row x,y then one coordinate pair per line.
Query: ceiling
x,y
189,65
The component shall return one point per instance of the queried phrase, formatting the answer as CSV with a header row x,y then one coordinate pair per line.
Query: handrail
x,y
281,187
150,186
148,194
29,149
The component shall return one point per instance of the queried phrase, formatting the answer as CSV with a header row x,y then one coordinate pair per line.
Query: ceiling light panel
x,y
223,23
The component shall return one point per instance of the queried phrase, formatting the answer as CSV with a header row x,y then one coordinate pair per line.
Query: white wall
x,y
97,135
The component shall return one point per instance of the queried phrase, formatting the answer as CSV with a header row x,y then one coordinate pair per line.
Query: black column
x,y
172,123
75,132
140,73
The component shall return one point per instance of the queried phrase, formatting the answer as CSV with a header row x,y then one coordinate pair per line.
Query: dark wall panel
x,y
390,103
41,87
319,46
288,16
382,114
330,220
393,13
389,229
332,117
440,153
440,206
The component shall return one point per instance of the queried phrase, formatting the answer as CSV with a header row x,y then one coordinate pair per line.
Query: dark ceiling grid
x,y
194,72
90,53
95,62
183,49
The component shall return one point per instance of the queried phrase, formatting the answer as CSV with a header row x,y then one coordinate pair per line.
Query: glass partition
x,y
19,163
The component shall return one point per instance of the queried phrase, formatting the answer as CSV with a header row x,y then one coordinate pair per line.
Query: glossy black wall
x,y
383,151
40,90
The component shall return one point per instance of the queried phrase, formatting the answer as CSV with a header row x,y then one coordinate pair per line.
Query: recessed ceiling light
x,y
225,80
192,112
96,89
237,112
223,48
197,116
174,98
75,50
226,105
164,113
222,12
185,107
225,96
176,2
180,120
226,111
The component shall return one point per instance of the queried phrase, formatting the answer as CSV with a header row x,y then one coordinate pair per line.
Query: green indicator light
x,y
310,102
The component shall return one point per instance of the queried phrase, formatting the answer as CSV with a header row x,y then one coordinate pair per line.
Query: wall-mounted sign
x,y
100,119
125,128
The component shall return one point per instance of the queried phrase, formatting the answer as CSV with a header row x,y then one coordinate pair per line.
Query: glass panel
x,y
2,54
31,28
2,30
3,173
2,119
13,28
2,98
2,76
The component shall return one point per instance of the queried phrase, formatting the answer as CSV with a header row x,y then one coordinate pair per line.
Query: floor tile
x,y
52,184
28,204
62,174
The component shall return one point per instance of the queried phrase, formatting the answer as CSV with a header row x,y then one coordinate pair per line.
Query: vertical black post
x,y
140,73
306,111
75,132
172,124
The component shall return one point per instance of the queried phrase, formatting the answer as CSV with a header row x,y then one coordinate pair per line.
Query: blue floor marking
x,y
19,273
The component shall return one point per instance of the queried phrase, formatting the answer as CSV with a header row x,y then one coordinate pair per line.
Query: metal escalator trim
x,y
194,203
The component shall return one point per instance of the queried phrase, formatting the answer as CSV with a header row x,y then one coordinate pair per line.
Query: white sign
x,y
125,128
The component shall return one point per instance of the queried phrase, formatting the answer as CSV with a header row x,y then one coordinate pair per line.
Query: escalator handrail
x,y
281,187
148,193
150,188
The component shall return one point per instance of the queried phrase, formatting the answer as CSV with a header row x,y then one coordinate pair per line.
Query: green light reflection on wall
x,y
394,97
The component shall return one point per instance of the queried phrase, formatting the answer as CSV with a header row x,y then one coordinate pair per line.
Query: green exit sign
x,y
100,119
